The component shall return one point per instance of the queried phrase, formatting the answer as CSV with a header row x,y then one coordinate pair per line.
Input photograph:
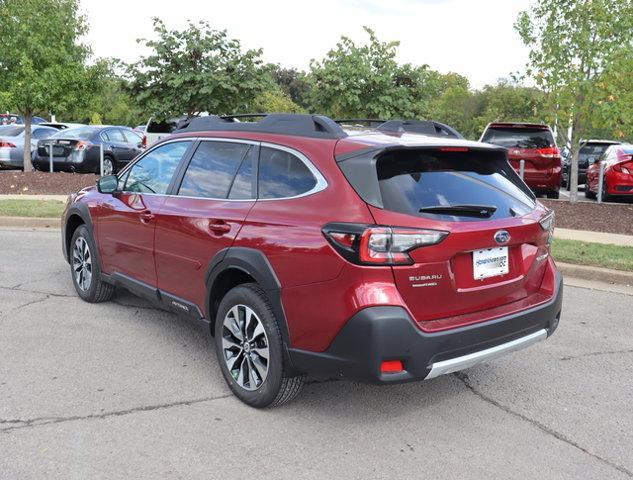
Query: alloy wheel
x,y
245,347
108,168
82,264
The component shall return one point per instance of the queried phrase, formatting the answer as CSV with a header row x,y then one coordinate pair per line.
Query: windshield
x,y
528,138
419,182
82,133
10,131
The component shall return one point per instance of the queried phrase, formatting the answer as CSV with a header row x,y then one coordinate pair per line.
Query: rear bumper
x,y
378,334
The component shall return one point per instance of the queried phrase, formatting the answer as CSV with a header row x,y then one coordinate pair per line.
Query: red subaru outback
x,y
381,256
534,144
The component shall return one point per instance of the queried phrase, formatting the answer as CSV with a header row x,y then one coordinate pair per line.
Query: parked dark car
x,y
12,143
591,151
78,149
382,256
13,119
534,144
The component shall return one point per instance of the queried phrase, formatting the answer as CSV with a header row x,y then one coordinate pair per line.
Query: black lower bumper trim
x,y
377,334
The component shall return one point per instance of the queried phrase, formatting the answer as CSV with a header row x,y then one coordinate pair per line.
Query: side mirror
x,y
108,184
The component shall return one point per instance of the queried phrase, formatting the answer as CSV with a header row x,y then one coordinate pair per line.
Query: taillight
x,y
144,141
81,145
547,224
379,245
550,152
624,167
6,144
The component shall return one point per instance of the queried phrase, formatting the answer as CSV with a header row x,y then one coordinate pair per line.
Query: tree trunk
x,y
28,166
573,170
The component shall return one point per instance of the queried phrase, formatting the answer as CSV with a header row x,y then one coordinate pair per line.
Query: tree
x,y
292,83
275,101
42,62
367,81
573,42
196,70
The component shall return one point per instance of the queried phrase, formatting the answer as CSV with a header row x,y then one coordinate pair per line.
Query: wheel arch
x,y
238,265
77,215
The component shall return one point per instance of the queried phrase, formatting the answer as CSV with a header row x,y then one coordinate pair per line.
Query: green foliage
x,y
272,101
95,119
292,83
597,254
31,208
367,81
573,44
195,70
42,62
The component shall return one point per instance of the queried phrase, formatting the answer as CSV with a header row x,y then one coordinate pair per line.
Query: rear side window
x,y
11,131
283,175
212,169
132,137
528,138
416,182
153,172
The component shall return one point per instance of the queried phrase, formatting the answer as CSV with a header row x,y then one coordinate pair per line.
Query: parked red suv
x,y
618,173
383,256
534,144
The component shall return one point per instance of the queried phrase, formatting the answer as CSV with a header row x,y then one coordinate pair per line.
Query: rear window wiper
x,y
483,211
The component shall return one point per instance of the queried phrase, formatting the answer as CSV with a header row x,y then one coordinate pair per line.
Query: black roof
x,y
303,125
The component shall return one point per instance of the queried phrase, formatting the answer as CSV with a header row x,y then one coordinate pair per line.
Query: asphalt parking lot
x,y
122,390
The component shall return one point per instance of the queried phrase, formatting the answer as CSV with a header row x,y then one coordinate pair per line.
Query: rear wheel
x,y
605,196
85,269
555,194
249,348
108,166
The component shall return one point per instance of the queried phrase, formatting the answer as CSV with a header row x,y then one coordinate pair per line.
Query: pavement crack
x,y
597,354
463,377
17,424
32,302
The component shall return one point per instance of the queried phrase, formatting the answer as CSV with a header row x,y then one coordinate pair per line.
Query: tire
x,y
269,385
89,286
605,196
589,194
555,194
109,166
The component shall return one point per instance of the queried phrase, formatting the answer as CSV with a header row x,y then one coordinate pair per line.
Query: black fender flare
x,y
254,263
82,211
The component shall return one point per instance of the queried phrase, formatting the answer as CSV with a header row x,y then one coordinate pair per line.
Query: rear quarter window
x,y
283,175
528,138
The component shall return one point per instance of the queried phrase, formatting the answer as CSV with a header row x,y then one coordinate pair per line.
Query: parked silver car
x,y
12,143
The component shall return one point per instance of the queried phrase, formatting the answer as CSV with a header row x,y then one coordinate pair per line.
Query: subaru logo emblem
x,y
502,236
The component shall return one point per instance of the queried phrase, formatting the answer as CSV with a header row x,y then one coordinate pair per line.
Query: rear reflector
x,y
392,366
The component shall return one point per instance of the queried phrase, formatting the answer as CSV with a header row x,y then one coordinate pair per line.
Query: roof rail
x,y
370,122
425,127
302,125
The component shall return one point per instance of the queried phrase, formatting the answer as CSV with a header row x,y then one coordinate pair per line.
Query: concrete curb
x,y
30,222
599,274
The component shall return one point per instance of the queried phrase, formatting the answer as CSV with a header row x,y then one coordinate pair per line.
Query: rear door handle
x,y
147,217
220,227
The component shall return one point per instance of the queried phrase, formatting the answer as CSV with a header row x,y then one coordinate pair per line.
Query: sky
x,y
472,37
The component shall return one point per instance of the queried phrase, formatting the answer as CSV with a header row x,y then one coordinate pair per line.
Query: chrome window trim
x,y
321,183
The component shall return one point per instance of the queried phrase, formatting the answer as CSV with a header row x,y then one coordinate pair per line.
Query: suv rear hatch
x,y
494,254
532,143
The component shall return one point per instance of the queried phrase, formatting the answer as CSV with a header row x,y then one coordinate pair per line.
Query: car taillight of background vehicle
x,y
547,224
624,167
7,145
144,142
379,245
550,152
81,145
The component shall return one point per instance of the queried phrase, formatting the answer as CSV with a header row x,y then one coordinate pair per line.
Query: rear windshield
x,y
411,181
82,133
11,131
594,150
165,126
529,138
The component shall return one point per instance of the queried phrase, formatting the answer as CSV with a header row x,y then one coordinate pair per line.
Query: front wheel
x,y
249,348
85,268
